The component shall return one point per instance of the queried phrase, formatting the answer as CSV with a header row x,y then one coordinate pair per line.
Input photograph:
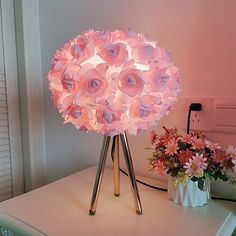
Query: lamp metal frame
x,y
116,171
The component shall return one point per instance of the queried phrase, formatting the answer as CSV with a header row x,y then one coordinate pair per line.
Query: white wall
x,y
201,35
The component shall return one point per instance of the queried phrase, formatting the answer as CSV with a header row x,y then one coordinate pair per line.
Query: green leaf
x,y
194,179
208,150
182,146
200,183
224,177
217,174
174,172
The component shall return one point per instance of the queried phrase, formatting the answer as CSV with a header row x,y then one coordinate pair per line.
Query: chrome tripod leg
x,y
134,187
100,171
116,165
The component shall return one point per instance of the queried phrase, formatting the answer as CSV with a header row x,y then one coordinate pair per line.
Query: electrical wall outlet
x,y
199,120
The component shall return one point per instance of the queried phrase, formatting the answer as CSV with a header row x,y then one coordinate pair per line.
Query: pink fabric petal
x,y
94,84
157,80
113,54
131,82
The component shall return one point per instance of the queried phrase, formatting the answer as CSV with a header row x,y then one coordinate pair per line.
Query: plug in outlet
x,y
199,120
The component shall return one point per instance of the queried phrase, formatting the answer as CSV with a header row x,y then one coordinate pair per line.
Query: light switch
x,y
224,115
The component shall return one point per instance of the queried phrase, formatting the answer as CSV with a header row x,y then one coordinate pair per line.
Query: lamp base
x,y
101,166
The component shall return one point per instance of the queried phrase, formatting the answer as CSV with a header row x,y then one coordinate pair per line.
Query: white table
x,y
61,209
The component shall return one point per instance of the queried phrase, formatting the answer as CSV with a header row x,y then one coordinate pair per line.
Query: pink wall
x,y
201,34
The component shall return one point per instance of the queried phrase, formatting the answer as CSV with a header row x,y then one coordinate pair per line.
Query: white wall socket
x,y
199,120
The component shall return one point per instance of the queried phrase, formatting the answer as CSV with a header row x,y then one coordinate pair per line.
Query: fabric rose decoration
x,y
112,82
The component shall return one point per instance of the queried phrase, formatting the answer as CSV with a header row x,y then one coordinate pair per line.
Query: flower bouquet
x,y
191,158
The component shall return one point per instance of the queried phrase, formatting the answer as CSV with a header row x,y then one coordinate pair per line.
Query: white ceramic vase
x,y
189,195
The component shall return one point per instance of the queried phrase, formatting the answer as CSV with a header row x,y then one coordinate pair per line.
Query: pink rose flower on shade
x,y
198,143
171,147
140,110
108,115
144,53
133,38
131,82
79,117
57,66
100,37
157,79
108,119
82,48
160,168
68,84
93,84
113,54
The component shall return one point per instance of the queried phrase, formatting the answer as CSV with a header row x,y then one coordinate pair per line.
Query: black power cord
x,y
192,107
145,184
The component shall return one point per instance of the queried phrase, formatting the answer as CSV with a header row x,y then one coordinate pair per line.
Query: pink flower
x,y
174,85
57,65
201,160
212,146
134,39
171,147
101,37
79,117
108,119
144,53
131,82
75,112
231,151
94,83
140,110
184,156
157,79
65,103
194,166
153,101
107,115
68,84
219,156
160,168
198,143
187,138
193,169
81,49
113,54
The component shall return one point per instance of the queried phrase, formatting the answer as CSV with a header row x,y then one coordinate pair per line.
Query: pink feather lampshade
x,y
113,82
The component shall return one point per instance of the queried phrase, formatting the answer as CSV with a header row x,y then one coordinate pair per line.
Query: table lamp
x,y
113,83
